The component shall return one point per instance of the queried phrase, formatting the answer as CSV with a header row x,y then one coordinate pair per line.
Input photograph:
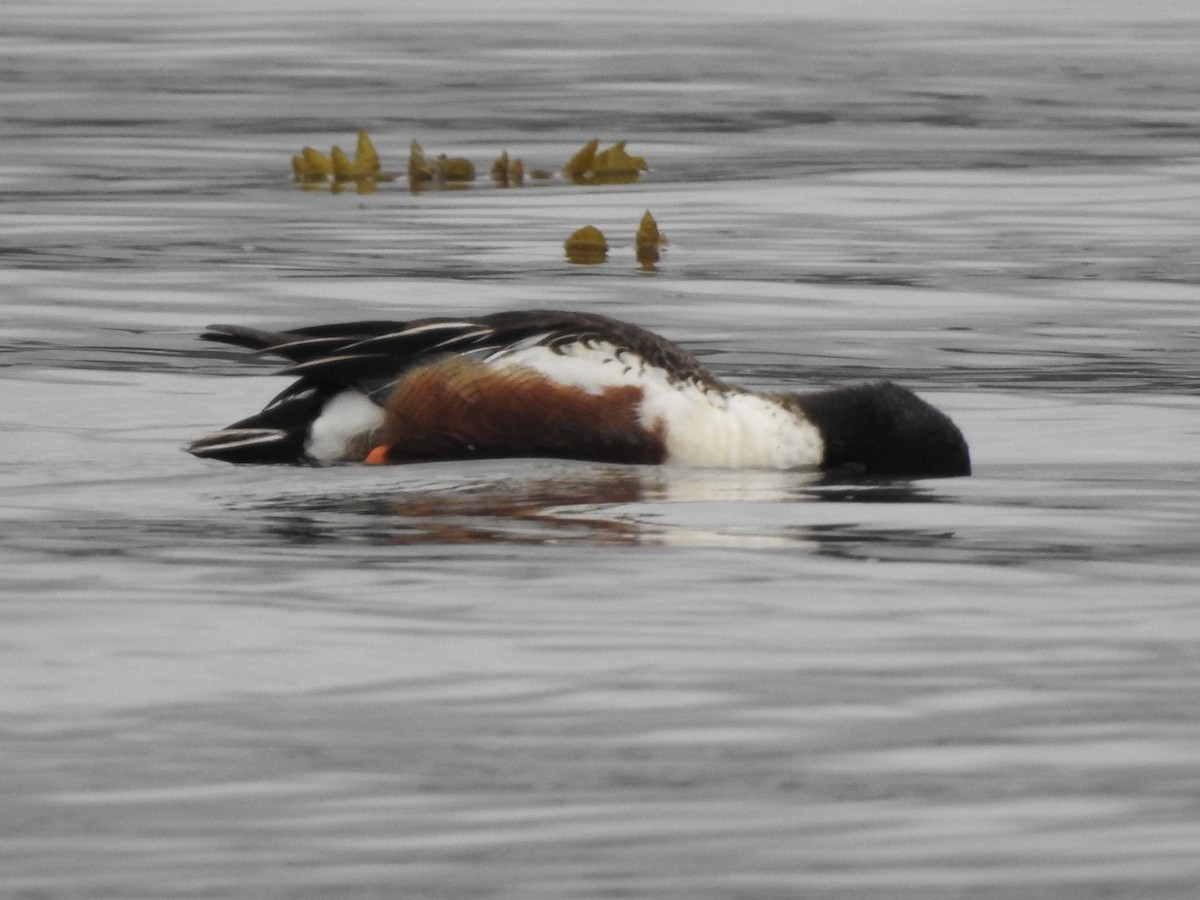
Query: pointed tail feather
x,y
251,445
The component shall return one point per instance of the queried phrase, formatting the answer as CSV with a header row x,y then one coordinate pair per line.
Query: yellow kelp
x,y
647,241
579,166
586,246
613,165
443,171
365,155
311,167
508,173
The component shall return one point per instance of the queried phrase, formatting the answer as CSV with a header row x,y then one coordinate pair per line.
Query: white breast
x,y
737,430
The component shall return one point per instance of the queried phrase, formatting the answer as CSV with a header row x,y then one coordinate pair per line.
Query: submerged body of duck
x,y
560,384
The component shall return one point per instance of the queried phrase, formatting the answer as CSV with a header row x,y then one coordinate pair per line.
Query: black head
x,y
880,428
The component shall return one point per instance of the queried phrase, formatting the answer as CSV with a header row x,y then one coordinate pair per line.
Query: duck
x,y
571,385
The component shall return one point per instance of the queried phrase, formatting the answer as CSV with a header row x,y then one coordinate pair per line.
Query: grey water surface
x,y
540,679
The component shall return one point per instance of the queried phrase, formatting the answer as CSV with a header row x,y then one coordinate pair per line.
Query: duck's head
x,y
880,428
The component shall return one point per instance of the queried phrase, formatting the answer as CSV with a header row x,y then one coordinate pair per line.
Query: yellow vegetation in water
x,y
589,165
647,241
586,246
420,166
615,161
579,165
365,155
311,167
648,234
343,168
424,171
508,173
613,165
453,168
500,168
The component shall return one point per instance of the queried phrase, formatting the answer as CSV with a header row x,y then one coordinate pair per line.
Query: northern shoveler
x,y
560,384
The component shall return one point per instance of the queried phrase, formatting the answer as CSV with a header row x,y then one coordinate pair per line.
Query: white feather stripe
x,y
535,343
239,438
434,326
465,336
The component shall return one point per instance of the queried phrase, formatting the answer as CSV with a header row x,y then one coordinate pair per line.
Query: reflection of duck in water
x,y
559,384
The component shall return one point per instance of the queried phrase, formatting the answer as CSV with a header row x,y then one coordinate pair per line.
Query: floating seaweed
x,y
365,155
442,171
647,241
311,165
613,165
580,165
589,165
500,168
420,167
586,246
506,172
312,168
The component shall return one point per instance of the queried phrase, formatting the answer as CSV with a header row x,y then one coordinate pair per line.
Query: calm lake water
x,y
545,679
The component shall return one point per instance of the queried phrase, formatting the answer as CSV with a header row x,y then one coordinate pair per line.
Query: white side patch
x,y
736,430
344,418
